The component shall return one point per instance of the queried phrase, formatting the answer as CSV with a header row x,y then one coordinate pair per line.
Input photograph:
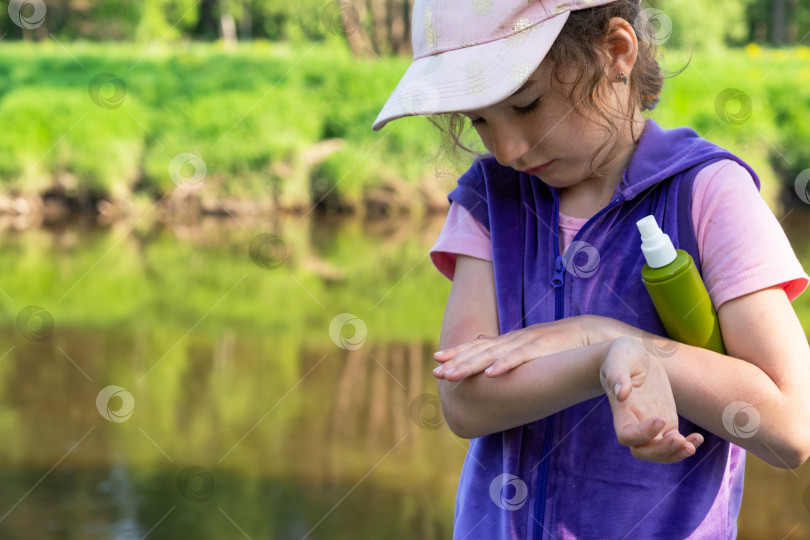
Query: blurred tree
x,y
779,22
778,19
375,27
714,24
167,19
371,26
206,19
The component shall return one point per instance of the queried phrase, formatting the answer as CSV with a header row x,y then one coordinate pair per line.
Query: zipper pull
x,y
559,272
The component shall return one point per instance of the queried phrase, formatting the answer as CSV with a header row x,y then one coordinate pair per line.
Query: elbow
x,y
798,451
787,444
456,415
791,458
456,421
801,459
460,430
792,452
783,457
797,441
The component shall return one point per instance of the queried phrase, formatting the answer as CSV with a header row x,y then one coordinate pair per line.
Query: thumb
x,y
620,387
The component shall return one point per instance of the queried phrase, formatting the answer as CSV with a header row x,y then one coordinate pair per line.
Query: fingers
x,y
663,451
460,370
474,357
648,434
696,439
635,434
447,355
450,353
669,449
517,356
616,379
619,385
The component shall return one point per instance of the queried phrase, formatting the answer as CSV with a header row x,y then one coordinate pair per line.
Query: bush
x,y
251,115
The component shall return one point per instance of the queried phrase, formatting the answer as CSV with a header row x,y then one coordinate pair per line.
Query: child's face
x,y
524,134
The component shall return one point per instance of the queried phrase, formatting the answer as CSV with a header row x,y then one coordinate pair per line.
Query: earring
x,y
623,77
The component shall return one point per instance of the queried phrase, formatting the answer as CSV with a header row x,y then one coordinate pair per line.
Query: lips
x,y
541,168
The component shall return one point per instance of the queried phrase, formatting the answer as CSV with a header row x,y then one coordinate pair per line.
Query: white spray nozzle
x,y
656,246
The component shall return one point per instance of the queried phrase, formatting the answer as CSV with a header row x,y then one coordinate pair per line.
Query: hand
x,y
644,414
496,355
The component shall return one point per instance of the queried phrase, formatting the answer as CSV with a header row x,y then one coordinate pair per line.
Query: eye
x,y
476,121
529,108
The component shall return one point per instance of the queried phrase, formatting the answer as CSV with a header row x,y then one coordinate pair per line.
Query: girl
x,y
584,422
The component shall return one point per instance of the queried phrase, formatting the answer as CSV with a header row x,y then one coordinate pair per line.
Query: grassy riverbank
x,y
284,126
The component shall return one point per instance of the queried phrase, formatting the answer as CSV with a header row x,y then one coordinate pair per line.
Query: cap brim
x,y
472,77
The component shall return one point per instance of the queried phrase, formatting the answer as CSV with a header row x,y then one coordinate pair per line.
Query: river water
x,y
246,380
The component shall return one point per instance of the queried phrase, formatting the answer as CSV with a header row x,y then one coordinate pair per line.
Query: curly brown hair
x,y
579,46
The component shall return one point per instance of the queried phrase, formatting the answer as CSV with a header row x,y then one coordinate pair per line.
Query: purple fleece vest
x,y
566,476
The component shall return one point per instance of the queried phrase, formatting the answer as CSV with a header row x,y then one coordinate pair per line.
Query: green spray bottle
x,y
677,290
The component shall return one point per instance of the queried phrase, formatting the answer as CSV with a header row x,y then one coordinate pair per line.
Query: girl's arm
x,y
479,405
768,368
640,396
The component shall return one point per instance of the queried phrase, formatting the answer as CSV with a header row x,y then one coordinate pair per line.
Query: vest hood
x,y
662,154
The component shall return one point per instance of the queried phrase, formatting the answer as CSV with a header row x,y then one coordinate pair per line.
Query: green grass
x,y
772,90
251,115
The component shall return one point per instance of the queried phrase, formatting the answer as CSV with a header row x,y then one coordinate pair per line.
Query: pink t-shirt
x,y
742,246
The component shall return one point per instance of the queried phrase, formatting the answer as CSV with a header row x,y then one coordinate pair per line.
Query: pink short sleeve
x,y
743,248
462,234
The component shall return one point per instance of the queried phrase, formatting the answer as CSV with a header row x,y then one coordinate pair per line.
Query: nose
x,y
508,144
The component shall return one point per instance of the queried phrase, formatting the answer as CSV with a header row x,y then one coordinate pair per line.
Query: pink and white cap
x,y
470,54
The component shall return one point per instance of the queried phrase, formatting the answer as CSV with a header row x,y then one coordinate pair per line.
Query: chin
x,y
556,181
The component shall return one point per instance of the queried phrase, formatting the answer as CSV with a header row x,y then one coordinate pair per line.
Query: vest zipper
x,y
557,281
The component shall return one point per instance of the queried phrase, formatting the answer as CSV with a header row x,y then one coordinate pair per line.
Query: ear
x,y
622,49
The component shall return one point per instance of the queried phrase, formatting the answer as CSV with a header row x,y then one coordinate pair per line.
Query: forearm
x,y
480,405
706,384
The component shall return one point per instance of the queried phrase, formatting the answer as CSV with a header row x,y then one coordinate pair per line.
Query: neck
x,y
586,198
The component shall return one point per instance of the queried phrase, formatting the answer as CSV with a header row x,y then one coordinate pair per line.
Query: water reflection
x,y
285,439
248,420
